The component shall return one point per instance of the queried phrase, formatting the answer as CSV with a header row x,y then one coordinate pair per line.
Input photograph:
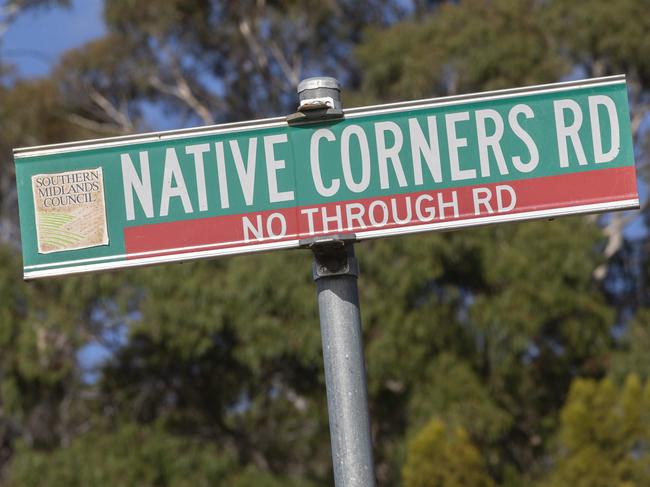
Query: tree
x,y
225,61
467,46
107,457
604,435
438,457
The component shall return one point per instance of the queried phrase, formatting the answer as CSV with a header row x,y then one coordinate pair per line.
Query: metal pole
x,y
335,271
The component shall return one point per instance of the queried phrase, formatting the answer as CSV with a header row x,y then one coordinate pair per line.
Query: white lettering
x,y
269,225
384,154
482,196
455,143
565,132
513,198
197,152
615,142
430,212
352,185
407,204
173,172
256,229
310,218
451,204
430,150
223,179
132,182
371,213
493,141
356,215
315,164
246,173
334,219
525,138
272,166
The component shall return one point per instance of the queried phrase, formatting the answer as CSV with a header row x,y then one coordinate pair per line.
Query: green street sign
x,y
434,164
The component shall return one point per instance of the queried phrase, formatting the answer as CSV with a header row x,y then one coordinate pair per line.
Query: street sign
x,y
435,164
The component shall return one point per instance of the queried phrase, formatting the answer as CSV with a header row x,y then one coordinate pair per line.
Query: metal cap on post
x,y
335,271
320,99
320,92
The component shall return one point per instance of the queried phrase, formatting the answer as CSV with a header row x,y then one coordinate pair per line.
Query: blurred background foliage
x,y
510,356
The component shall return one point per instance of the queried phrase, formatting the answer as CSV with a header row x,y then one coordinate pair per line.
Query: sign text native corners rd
x,y
409,167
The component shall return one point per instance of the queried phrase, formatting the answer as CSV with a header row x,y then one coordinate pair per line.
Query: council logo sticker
x,y
70,210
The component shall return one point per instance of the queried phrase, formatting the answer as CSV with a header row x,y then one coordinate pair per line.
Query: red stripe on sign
x,y
468,202
383,212
218,231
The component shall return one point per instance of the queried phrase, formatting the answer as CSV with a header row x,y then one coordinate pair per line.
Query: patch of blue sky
x,y
36,40
91,357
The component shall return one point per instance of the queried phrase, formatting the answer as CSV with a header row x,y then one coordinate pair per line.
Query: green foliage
x,y
133,455
633,357
235,356
467,46
487,331
453,391
128,456
42,326
604,37
605,435
439,456
252,477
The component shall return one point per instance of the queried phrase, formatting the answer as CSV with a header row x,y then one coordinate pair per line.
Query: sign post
x,y
335,271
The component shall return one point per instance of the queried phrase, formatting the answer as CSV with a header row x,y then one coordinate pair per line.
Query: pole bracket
x,y
307,115
333,256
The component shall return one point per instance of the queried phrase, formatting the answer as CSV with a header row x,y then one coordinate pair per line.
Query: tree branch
x,y
183,92
121,118
89,124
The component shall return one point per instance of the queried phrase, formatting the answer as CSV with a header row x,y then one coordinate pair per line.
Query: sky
x,y
36,39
